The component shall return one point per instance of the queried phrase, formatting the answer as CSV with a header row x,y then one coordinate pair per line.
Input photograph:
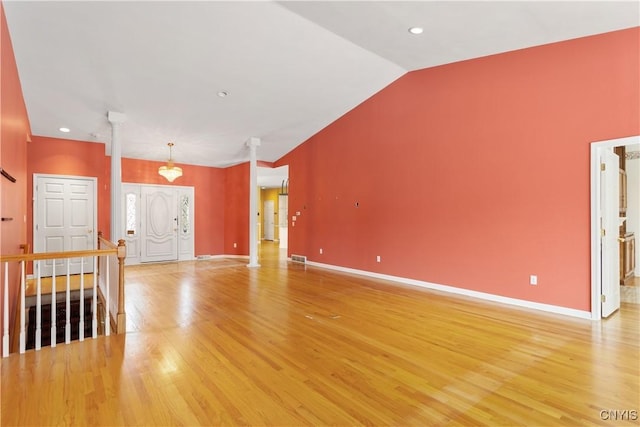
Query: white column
x,y
116,120
253,143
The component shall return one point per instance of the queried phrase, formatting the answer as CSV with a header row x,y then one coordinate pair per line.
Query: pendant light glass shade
x,y
170,172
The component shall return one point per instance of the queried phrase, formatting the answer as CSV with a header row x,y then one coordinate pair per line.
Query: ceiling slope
x,y
289,68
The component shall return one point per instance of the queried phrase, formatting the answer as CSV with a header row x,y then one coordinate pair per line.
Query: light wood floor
x,y
215,343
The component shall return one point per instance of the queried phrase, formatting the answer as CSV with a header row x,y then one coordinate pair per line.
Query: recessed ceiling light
x,y
65,130
416,30
223,93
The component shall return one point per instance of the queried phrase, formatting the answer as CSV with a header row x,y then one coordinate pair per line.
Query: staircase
x,y
61,319
82,305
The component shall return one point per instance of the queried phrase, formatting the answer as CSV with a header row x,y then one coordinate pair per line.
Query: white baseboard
x,y
460,291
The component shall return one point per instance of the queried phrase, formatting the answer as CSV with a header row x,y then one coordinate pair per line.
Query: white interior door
x,y
64,220
269,223
609,220
159,228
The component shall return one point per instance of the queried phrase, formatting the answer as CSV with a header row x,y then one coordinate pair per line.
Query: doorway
x,y
64,219
605,221
273,204
158,222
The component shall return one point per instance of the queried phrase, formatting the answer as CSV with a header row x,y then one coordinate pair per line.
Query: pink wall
x,y
14,134
67,157
473,174
236,211
59,156
209,189
221,195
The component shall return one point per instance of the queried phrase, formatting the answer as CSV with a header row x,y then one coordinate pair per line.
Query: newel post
x,y
121,325
99,244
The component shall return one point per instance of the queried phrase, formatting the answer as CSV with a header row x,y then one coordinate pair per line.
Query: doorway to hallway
x,y
606,221
272,222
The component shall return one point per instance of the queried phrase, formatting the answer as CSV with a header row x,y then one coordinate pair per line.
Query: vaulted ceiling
x,y
288,68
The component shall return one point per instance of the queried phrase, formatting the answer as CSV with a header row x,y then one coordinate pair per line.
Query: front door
x,y
609,223
159,231
64,220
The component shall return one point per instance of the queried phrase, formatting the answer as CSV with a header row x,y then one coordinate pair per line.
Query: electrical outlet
x,y
235,245
320,251
533,279
378,258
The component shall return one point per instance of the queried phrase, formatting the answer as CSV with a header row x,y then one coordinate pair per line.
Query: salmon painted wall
x,y
59,156
473,174
209,190
15,131
67,157
236,211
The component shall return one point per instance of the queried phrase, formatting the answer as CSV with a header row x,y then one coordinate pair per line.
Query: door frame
x,y
596,239
34,203
180,191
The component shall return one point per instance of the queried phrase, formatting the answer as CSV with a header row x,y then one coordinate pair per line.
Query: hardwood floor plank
x,y
216,343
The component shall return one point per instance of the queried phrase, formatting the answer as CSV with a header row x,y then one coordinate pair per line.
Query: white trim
x,y
253,143
596,285
460,291
50,175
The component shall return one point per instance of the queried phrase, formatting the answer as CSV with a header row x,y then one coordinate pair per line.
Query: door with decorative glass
x,y
159,235
131,215
185,223
158,222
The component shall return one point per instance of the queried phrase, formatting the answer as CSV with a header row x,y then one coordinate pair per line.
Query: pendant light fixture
x,y
170,171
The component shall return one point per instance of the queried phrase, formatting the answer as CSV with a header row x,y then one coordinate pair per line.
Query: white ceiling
x,y
290,68
274,177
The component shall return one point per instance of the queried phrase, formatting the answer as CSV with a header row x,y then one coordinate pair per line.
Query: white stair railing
x,y
14,267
